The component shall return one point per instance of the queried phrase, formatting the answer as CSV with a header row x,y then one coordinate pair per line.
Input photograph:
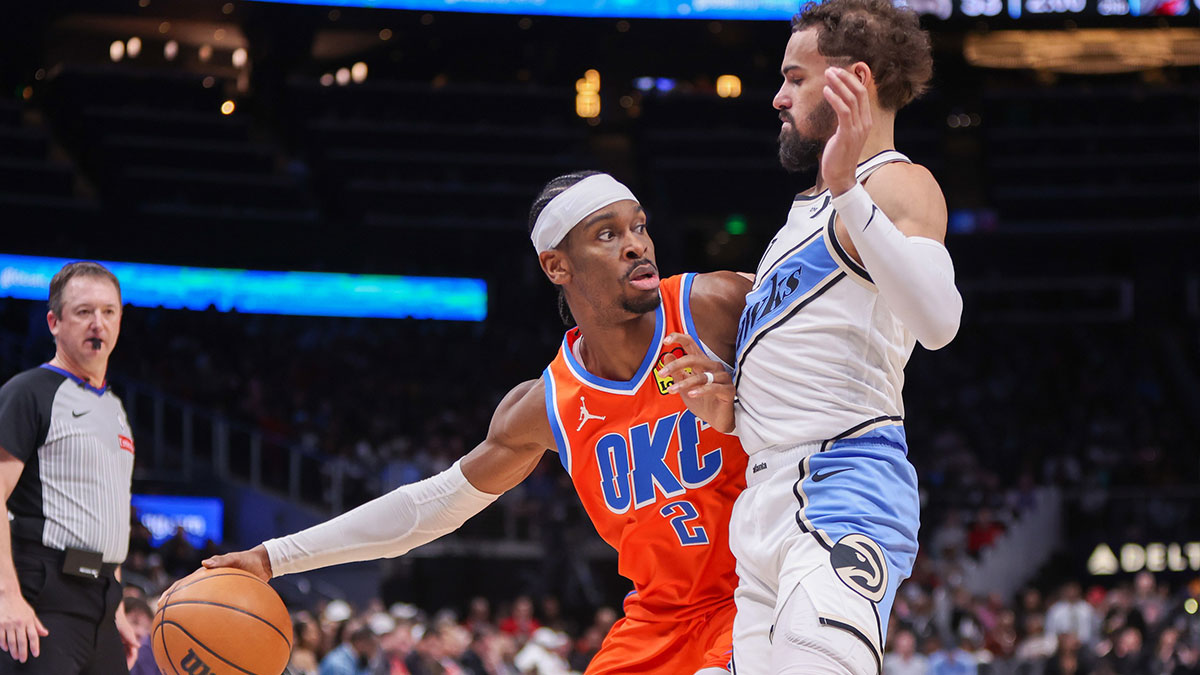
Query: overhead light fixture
x,y
1098,50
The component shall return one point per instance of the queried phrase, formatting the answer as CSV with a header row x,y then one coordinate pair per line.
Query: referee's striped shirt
x,y
77,448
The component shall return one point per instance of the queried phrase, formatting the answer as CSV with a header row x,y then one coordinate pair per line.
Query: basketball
x,y
226,621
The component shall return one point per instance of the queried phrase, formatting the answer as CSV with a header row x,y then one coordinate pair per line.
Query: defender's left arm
x,y
897,222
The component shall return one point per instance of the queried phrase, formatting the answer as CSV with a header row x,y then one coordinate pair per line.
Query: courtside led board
x,y
265,292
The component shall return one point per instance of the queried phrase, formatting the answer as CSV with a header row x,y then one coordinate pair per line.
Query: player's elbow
x,y
941,324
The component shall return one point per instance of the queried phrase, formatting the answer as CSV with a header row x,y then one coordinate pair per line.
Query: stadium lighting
x,y
343,76
239,57
327,79
227,108
170,50
116,51
385,34
133,47
205,53
729,86
358,72
587,95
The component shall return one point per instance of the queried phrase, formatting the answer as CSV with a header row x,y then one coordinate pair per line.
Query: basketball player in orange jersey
x,y
658,483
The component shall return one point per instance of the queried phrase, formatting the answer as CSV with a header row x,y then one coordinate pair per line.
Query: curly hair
x,y
887,38
550,190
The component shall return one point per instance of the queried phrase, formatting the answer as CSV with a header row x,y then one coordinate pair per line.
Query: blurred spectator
x,y
179,556
140,617
1037,646
427,655
306,651
479,615
953,661
520,623
951,536
983,532
904,659
1071,657
544,654
352,657
1126,657
1072,614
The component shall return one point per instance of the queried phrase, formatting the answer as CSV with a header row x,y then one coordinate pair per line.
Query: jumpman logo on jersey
x,y
584,415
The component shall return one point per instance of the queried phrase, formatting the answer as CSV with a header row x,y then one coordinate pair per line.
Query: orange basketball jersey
x,y
658,483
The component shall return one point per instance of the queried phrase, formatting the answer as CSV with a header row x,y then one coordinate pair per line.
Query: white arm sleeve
x,y
385,527
913,274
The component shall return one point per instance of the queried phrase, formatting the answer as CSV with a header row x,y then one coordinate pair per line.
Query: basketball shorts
x,y
639,647
837,519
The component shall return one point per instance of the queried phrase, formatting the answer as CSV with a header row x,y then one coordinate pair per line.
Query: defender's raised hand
x,y
848,97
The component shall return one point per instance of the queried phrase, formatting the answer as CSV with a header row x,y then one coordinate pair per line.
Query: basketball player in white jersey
x,y
827,527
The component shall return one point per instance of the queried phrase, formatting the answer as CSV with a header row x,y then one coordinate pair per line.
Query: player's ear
x,y
863,72
556,266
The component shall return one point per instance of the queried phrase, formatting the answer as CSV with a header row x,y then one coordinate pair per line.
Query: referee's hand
x,y
20,629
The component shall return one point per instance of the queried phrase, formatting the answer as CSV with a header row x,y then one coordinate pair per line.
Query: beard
x,y
798,152
643,305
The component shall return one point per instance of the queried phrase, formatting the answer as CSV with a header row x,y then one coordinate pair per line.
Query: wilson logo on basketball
x,y
859,563
193,665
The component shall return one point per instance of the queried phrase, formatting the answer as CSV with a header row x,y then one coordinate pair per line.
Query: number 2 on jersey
x,y
683,515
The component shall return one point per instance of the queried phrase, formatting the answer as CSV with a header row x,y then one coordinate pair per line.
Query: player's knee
x,y
803,646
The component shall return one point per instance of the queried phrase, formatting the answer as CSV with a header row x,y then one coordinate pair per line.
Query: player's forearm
x,y
385,527
915,275
8,572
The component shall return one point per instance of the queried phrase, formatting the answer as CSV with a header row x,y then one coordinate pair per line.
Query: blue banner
x,y
202,518
264,292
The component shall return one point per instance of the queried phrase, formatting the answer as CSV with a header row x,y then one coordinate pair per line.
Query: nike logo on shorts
x,y
79,414
818,477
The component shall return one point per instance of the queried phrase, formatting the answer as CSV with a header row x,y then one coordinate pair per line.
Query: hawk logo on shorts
x,y
859,563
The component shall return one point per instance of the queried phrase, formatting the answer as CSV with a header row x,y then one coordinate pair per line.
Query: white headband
x,y
574,204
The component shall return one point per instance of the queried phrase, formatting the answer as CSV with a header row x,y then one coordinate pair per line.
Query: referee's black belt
x,y
72,561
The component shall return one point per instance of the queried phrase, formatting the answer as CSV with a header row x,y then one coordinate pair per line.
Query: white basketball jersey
x,y
819,352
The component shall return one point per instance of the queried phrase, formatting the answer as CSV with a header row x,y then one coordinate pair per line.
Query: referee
x,y
66,463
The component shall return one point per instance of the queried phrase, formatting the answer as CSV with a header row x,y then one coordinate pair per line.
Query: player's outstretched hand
x,y
848,97
255,561
704,385
20,629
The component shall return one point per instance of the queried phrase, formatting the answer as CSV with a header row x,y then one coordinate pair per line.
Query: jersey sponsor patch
x,y
664,382
126,443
